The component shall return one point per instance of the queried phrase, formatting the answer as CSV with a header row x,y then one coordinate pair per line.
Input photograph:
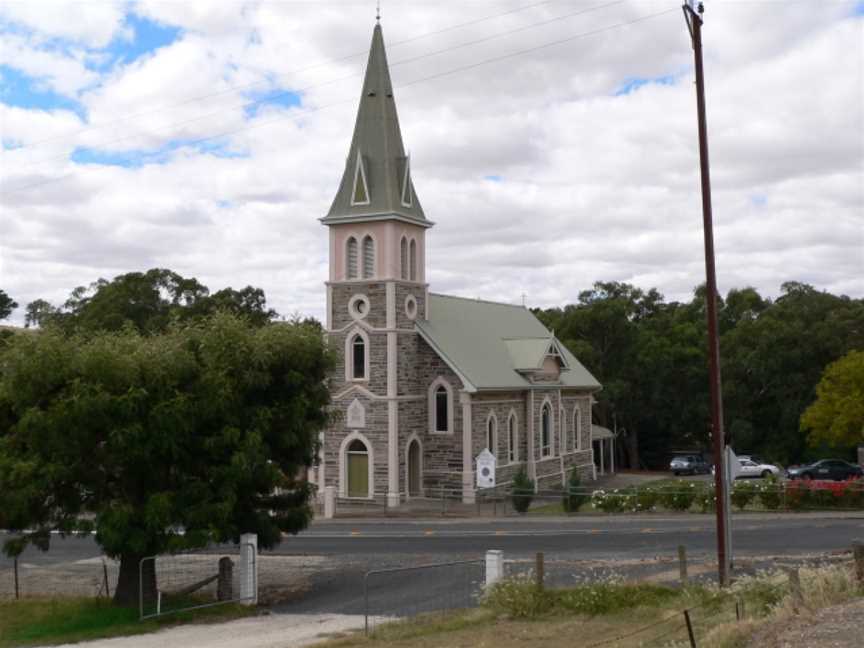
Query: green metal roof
x,y
377,141
486,343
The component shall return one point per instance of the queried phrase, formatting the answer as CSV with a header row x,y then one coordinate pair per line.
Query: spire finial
x,y
378,12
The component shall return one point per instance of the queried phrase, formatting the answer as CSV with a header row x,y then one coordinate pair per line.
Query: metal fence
x,y
176,582
40,575
404,592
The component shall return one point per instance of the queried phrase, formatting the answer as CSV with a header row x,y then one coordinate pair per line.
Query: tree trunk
x,y
633,449
130,588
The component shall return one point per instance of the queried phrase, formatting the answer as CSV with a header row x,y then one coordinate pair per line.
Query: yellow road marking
x,y
499,532
647,531
355,533
428,532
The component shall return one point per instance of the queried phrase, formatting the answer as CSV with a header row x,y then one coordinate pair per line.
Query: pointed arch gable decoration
x,y
360,188
407,199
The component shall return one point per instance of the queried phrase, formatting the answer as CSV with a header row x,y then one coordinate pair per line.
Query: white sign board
x,y
485,469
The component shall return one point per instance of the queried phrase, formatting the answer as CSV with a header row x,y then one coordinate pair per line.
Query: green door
x,y
358,474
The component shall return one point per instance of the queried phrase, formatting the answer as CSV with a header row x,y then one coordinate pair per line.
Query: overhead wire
x,y
298,115
254,103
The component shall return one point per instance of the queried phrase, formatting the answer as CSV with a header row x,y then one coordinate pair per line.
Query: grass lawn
x,y
45,621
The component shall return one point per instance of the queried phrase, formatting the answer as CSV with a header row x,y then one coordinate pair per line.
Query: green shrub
x,y
612,502
646,499
771,493
679,495
853,495
523,491
575,496
743,493
706,500
798,495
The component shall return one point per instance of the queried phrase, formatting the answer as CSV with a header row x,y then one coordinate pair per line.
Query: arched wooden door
x,y
414,469
358,469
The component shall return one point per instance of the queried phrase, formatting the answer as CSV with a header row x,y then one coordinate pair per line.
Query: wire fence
x,y
405,592
41,576
176,582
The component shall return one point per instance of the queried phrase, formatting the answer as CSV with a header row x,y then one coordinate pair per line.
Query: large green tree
x,y
165,441
7,305
837,415
150,302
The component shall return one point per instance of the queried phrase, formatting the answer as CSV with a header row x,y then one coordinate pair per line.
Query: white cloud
x,y
594,186
93,23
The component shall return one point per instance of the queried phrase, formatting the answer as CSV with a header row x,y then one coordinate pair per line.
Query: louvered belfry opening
x,y
351,259
368,258
412,261
403,258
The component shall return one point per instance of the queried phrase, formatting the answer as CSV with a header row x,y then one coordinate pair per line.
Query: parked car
x,y
688,465
835,469
752,468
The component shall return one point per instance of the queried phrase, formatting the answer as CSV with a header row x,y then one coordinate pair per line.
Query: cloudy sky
x,y
553,143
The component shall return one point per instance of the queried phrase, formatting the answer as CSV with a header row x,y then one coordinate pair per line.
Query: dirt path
x,y
834,627
271,631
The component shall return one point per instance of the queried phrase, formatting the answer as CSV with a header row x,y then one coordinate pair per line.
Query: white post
x,y
494,566
329,502
248,570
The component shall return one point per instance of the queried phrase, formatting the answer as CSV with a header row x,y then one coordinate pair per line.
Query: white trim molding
x,y
547,402
491,418
343,464
433,410
360,170
512,441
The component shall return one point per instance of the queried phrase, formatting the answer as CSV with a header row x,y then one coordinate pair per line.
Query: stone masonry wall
x,y
442,461
501,404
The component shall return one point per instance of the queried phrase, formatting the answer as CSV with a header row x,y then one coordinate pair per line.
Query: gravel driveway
x,y
839,626
270,631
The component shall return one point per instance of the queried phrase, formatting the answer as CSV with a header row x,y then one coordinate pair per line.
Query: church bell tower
x,y
376,289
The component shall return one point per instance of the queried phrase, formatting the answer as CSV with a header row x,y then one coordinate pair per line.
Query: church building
x,y
425,382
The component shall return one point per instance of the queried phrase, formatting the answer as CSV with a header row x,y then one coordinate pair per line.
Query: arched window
x,y
351,258
577,429
368,257
492,435
512,439
441,407
413,260
546,431
357,467
358,358
403,257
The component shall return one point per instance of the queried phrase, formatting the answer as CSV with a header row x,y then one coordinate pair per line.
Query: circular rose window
x,y
411,307
358,306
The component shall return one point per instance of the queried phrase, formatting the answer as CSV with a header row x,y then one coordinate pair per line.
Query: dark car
x,y
689,465
835,469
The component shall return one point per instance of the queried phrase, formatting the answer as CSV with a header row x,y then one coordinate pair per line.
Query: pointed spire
x,y
377,157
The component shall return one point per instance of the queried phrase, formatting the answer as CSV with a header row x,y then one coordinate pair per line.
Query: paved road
x,y
586,538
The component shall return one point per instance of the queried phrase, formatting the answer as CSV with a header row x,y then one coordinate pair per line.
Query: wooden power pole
x,y
693,16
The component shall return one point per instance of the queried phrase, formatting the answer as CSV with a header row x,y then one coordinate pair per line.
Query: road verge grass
x,y
47,621
516,613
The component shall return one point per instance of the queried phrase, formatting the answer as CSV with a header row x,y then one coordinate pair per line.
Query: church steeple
x,y
376,184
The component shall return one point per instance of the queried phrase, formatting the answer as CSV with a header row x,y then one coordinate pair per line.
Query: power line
x,y
250,104
240,88
431,77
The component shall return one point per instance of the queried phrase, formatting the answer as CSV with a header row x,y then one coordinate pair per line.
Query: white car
x,y
750,468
